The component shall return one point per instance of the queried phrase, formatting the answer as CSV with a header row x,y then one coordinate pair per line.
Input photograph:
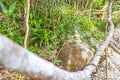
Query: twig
x,y
114,47
90,9
104,11
106,63
106,55
26,22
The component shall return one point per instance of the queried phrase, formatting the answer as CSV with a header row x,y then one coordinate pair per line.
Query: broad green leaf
x,y
3,6
12,7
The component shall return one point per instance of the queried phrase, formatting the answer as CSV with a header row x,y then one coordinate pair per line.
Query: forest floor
x,y
113,69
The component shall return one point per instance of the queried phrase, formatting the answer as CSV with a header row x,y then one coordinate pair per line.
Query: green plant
x,y
49,48
8,25
35,48
9,13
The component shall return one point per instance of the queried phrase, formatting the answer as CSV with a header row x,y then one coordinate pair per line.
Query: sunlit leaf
x,y
3,6
12,7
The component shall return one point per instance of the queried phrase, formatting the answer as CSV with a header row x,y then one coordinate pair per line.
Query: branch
x,y
114,48
15,57
108,37
27,9
115,41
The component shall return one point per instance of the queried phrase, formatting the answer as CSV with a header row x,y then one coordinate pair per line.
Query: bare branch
x,y
27,9
108,37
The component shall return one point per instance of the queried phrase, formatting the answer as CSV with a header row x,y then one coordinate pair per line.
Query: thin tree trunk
x,y
27,9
